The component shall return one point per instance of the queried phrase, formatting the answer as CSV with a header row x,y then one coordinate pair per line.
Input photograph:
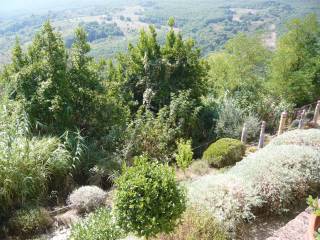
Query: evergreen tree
x,y
42,82
159,70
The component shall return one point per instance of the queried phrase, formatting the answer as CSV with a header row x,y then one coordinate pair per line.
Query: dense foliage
x,y
151,73
148,199
224,152
295,67
67,119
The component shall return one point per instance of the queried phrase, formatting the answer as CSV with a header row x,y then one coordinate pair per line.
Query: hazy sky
x,y
13,7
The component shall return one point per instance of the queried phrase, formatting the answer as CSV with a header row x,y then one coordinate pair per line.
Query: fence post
x,y
261,139
244,134
316,113
282,123
301,121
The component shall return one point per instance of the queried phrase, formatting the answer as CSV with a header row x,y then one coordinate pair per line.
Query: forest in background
x,y
113,24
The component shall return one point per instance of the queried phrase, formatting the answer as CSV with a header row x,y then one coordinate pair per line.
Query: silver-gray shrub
x,y
271,180
232,118
87,198
309,137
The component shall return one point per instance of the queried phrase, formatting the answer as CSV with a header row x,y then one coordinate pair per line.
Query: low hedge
x,y
224,152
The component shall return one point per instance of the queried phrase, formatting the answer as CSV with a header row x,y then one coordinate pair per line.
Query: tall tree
x,y
240,70
42,83
295,68
154,72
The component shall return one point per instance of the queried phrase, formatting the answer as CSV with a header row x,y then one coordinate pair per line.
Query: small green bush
x,y
27,222
148,199
99,225
184,155
224,152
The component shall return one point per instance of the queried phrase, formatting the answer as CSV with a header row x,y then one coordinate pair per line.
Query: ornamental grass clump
x,y
224,152
29,165
270,180
87,198
148,199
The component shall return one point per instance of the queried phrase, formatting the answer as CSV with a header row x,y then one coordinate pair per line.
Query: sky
x,y
13,7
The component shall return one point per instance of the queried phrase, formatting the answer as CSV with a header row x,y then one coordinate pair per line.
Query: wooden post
x,y
261,139
301,121
244,134
316,113
282,123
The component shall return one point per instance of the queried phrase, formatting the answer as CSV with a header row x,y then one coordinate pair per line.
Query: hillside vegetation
x,y
68,120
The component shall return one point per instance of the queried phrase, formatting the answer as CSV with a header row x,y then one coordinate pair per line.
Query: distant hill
x,y
113,23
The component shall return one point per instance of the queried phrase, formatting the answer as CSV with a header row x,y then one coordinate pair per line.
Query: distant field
x,y
113,24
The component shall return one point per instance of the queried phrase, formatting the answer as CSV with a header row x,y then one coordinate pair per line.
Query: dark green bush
x,y
27,222
98,226
224,152
148,199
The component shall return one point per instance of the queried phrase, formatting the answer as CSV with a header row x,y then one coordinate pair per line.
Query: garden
x,y
159,143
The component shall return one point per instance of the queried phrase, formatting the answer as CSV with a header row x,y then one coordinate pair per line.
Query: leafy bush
x,y
148,200
246,189
224,152
155,134
99,225
27,222
87,198
184,155
196,225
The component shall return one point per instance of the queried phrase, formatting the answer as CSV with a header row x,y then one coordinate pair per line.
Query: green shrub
x,y
148,199
27,222
196,225
184,155
99,225
224,152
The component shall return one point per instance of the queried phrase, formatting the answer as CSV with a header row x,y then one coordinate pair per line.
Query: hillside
x,y
112,24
